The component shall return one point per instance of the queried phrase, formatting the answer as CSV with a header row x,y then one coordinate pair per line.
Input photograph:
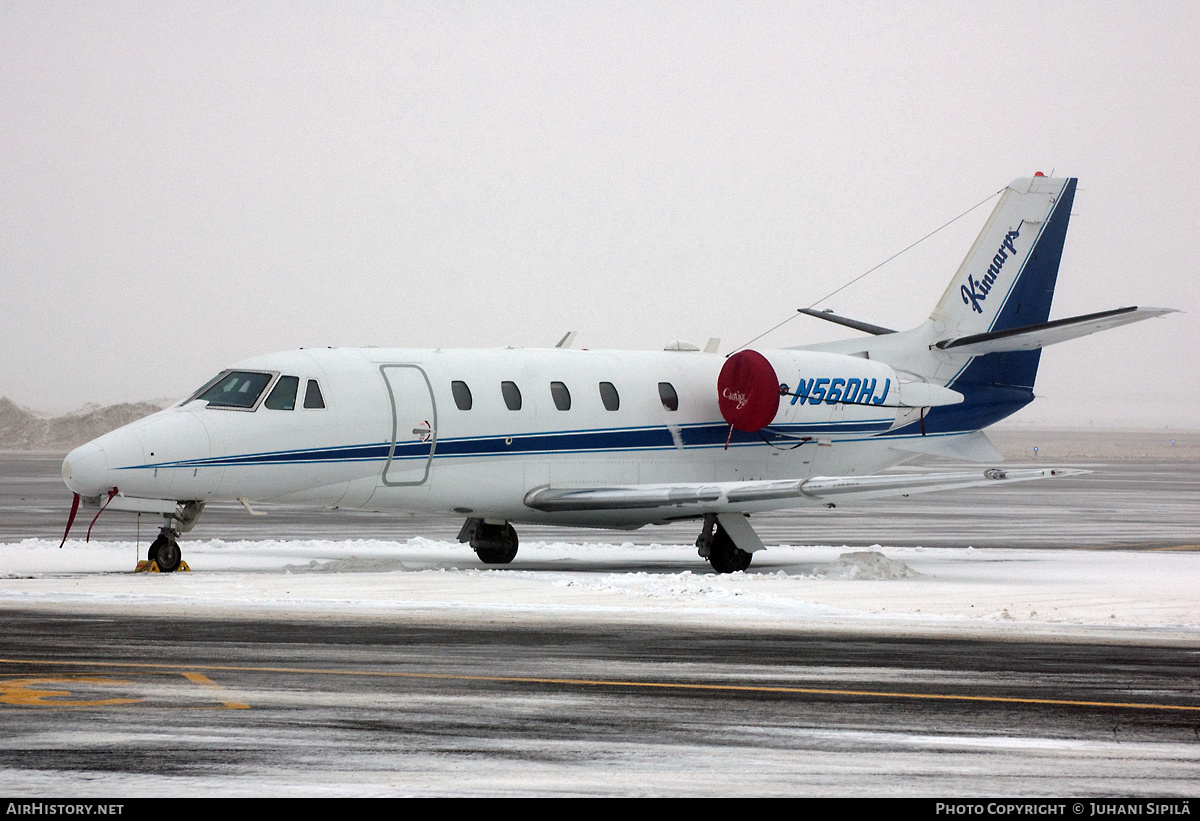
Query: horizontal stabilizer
x,y
1031,337
858,325
715,496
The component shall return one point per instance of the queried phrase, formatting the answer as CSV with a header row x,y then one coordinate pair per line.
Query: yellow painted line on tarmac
x,y
219,691
31,691
660,685
28,692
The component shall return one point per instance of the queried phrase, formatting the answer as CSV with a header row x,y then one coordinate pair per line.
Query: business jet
x,y
616,439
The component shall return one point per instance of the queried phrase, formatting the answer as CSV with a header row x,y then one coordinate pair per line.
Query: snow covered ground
x,y
1135,594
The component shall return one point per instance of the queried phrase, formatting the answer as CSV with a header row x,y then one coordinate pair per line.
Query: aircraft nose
x,y
85,470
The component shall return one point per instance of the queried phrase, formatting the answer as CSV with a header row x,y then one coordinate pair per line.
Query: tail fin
x,y
984,338
1006,281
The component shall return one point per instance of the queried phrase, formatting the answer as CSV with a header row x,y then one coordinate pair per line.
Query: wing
x,y
716,496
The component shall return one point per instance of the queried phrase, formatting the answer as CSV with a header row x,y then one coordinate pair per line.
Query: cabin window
x,y
512,395
462,394
236,389
562,396
609,396
670,399
312,395
283,395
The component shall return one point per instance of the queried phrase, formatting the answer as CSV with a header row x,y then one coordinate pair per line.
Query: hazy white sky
x,y
188,184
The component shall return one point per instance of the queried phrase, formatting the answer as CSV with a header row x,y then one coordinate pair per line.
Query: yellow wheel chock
x,y
144,566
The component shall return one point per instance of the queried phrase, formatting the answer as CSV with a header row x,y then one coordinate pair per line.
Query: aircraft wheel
x,y
725,556
165,551
495,544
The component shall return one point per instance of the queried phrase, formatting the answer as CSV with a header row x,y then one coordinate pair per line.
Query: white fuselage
x,y
393,434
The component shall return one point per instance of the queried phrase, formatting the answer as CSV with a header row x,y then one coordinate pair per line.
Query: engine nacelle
x,y
757,389
748,391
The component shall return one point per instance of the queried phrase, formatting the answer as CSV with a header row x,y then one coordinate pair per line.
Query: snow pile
x,y
24,430
350,564
866,565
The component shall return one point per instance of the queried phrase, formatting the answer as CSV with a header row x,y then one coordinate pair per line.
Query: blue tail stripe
x,y
998,385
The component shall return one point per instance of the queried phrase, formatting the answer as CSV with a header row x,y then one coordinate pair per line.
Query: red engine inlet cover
x,y
748,391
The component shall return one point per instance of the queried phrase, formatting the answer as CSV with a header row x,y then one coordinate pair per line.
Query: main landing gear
x,y
492,543
715,544
496,542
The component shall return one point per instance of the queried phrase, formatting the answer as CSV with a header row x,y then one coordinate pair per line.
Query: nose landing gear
x,y
164,553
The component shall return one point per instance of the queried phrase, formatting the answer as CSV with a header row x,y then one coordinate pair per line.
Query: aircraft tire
x,y
166,554
497,544
725,556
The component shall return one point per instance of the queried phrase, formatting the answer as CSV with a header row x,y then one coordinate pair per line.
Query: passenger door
x,y
414,425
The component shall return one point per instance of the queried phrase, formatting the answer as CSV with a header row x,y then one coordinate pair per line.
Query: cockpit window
x,y
236,389
283,395
312,395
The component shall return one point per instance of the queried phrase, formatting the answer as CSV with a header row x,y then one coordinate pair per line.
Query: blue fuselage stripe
x,y
587,441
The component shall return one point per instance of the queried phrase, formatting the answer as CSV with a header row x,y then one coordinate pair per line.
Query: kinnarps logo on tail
x,y
975,292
